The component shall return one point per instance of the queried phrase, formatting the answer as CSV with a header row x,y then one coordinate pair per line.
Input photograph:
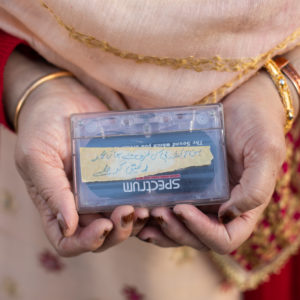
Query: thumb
x,y
50,188
254,189
56,191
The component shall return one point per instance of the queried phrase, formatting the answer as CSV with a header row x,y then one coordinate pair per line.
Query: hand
x,y
43,158
254,122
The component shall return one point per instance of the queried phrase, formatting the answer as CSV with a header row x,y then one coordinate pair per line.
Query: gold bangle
x,y
32,88
289,71
284,91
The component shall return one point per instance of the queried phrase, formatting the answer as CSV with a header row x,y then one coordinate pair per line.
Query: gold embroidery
x,y
217,94
197,64
245,281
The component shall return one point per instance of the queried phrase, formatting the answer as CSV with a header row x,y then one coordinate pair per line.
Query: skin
x,y
254,122
256,150
43,158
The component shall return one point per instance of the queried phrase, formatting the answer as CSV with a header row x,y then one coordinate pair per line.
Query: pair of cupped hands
x,y
254,122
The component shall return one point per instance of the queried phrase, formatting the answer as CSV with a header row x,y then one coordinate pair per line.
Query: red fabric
x,y
7,44
285,285
279,287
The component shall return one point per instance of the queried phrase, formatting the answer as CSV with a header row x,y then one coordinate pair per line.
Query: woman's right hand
x,y
43,158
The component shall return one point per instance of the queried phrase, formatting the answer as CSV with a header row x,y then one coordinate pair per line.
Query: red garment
x,y
285,286
7,44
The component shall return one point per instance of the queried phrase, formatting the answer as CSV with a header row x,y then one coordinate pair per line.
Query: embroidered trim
x,y
251,281
197,64
220,92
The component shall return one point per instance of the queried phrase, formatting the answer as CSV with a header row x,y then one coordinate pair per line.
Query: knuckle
x,y
61,247
53,196
225,246
48,197
36,198
252,197
256,198
47,193
63,250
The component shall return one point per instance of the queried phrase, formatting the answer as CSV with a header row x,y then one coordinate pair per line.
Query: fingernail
x,y
141,221
105,234
159,220
127,219
227,217
62,223
149,240
179,216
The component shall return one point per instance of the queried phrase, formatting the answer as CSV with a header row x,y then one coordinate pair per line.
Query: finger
x,y
155,236
48,186
141,217
85,239
122,219
175,230
254,189
219,237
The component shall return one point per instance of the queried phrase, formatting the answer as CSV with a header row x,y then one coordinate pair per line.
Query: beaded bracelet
x,y
284,91
32,88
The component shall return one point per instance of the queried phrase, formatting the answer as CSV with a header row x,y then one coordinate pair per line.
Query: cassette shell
x,y
192,126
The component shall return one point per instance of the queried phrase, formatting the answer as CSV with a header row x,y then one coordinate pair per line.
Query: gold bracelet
x,y
284,91
289,71
32,88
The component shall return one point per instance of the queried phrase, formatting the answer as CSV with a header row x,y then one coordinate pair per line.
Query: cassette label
x,y
107,164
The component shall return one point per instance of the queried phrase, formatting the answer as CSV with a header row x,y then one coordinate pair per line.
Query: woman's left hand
x,y
254,122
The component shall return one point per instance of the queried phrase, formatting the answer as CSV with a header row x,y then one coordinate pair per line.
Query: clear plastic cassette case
x,y
147,158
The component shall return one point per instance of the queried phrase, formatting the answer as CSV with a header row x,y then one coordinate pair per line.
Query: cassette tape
x,y
148,158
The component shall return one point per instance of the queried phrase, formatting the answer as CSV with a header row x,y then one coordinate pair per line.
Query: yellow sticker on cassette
x,y
112,164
